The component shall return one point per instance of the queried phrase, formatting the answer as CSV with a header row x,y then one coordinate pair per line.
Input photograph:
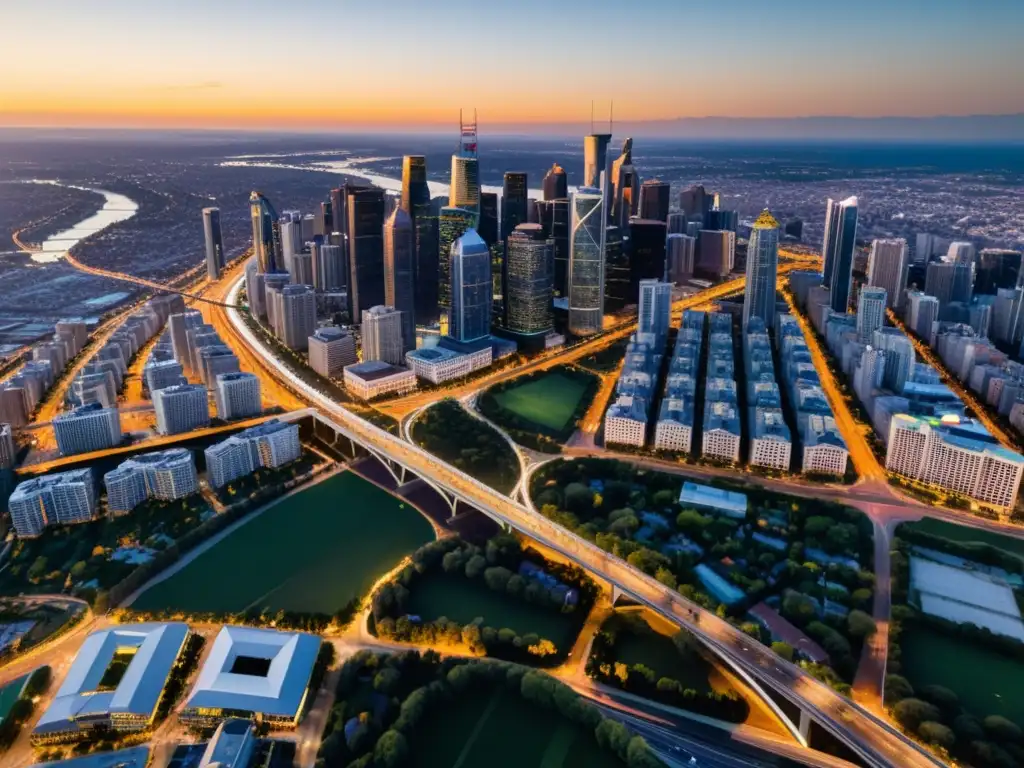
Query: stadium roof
x,y
280,691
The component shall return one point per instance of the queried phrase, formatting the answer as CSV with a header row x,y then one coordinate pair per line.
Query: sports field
x,y
499,730
966,535
986,682
548,401
9,694
453,596
311,552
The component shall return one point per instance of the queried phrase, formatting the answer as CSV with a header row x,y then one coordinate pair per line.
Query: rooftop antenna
x,y
591,116
611,118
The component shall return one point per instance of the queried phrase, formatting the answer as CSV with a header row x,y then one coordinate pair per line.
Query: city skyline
x,y
198,73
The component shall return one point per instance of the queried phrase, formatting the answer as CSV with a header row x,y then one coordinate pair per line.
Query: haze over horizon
x,y
406,66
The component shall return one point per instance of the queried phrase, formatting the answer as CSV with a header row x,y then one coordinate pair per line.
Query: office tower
x,y
295,315
470,315
181,409
61,498
655,310
179,325
328,267
1007,320
215,360
960,252
273,284
619,169
899,356
677,223
399,285
837,251
237,395
961,256
680,257
487,221
266,233
654,199
716,252
8,452
453,223
554,218
646,251
595,159
382,335
586,259
618,293
922,310
416,202
979,317
695,202
870,313
995,269
330,350
302,268
339,209
214,242
292,241
325,220
365,248
87,428
887,268
529,275
794,228
556,186
465,181
308,227
514,202
270,444
762,270
415,191
939,281
198,338
716,218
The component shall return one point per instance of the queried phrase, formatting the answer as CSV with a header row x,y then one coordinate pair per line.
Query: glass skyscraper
x,y
214,242
837,251
266,233
453,223
646,253
586,261
595,158
554,218
465,181
529,273
399,279
365,248
762,270
514,201
469,318
556,187
416,202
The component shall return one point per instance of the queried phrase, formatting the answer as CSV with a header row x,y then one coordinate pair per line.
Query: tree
x,y
936,733
37,569
663,498
817,526
861,598
897,688
612,735
1001,729
798,608
841,537
860,624
941,697
475,566
579,499
910,713
387,680
515,585
77,570
666,577
624,524
967,728
647,560
503,549
785,650
391,750
497,578
453,561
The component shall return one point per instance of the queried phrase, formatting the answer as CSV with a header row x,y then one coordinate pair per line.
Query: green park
x,y
313,551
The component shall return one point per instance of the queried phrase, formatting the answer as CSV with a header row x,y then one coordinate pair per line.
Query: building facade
x,y
762,270
586,262
237,395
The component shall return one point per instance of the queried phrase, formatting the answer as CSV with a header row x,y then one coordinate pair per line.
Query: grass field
x,y
442,594
657,652
549,401
313,551
499,730
9,694
987,683
967,535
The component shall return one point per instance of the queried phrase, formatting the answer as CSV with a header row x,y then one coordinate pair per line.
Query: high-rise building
x,y
899,357
87,428
181,409
8,452
295,312
554,218
621,167
415,191
961,256
339,209
696,203
514,202
529,274
302,268
995,269
179,324
330,350
887,268
382,335
465,181
646,251
214,242
922,310
654,200
716,252
677,223
618,293
266,233
365,248
837,251
61,498
290,225
717,218
328,267
586,260
870,313
399,277
270,444
655,310
939,281
470,315
165,475
416,202
453,223
487,221
237,395
556,186
762,270
680,257
215,360
595,160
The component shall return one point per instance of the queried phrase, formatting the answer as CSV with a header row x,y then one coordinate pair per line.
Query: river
x,y
116,208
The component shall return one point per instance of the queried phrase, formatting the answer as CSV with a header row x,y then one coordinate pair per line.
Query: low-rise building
x,y
728,503
376,378
674,431
825,450
330,350
770,443
63,498
721,437
625,421
449,359
268,445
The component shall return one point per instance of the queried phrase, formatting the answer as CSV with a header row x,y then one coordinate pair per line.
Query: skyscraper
x,y
870,313
554,218
556,187
961,256
214,242
654,310
996,268
586,259
181,408
416,202
887,268
619,165
529,274
297,317
399,280
470,315
487,221
266,233
339,209
617,291
237,395
365,248
762,270
837,251
382,335
716,252
899,356
514,202
465,182
290,225
595,159
654,200
328,267
695,202
681,257
453,223
646,252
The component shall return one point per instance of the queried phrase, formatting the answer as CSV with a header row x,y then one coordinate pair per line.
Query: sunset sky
x,y
333,63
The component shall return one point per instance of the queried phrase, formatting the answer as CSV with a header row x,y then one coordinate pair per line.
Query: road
x,y
877,742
